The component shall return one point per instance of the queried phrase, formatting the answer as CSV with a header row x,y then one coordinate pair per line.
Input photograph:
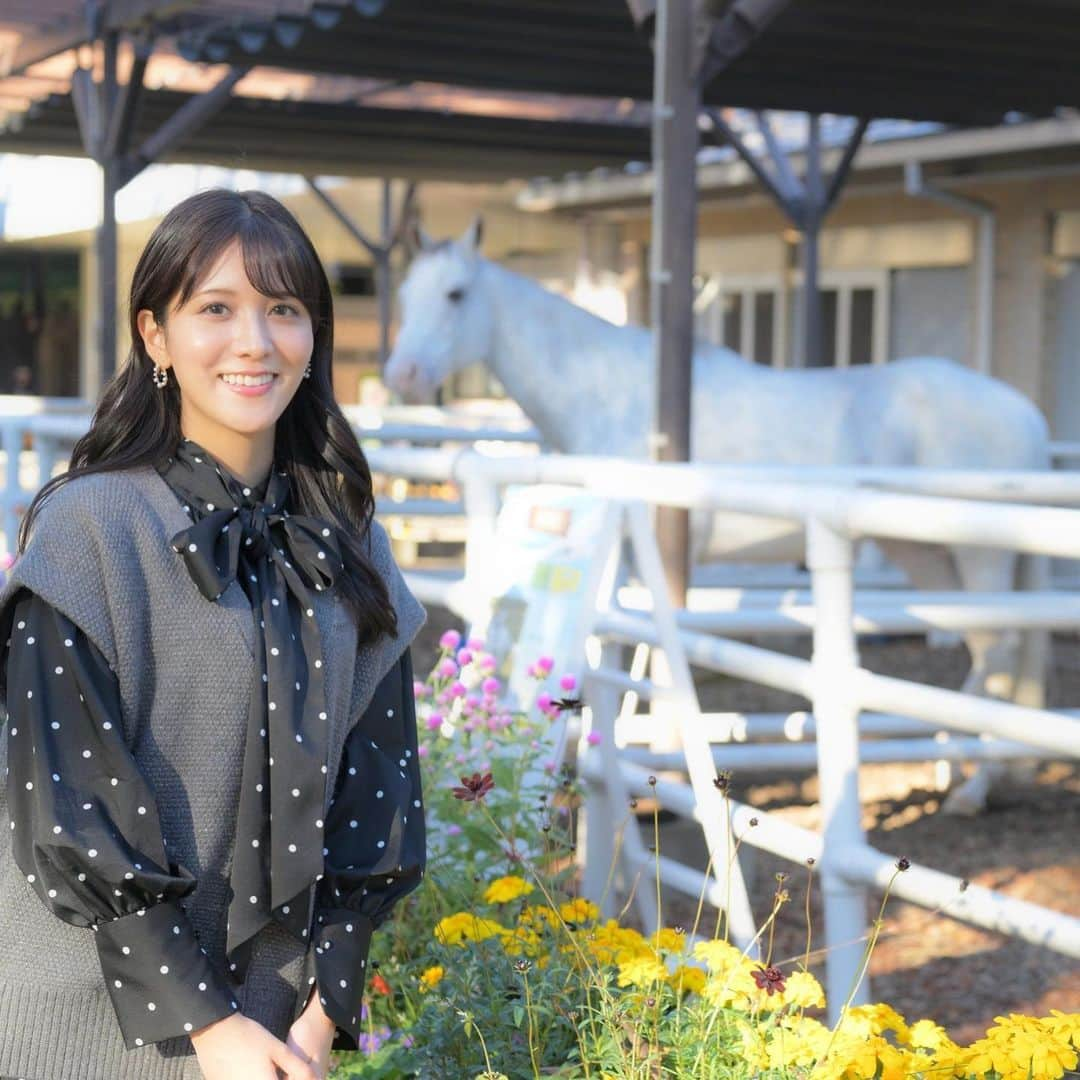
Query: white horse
x,y
587,386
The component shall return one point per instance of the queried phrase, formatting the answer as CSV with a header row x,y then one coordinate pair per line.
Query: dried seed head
x,y
722,782
652,781
903,863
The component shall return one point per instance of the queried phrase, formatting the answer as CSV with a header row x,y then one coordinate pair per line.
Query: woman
x,y
211,736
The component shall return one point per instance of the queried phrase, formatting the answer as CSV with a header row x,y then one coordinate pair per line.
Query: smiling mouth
x,y
249,380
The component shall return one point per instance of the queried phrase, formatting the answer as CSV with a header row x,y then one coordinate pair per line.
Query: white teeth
x,y
246,380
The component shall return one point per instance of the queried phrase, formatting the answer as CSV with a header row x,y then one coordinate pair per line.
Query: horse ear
x,y
417,239
472,237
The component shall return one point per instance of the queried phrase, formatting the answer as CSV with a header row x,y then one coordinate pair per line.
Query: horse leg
x,y
931,568
995,658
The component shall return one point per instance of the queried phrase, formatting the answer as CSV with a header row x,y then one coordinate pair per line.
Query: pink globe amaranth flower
x,y
434,722
419,689
447,669
489,663
568,682
469,725
443,697
458,689
593,738
490,685
461,758
473,701
543,701
489,745
534,745
485,766
453,830
450,639
493,723
545,664
549,766
422,750
464,657
475,643
7,560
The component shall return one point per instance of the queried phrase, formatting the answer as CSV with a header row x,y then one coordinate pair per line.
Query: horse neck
x,y
552,357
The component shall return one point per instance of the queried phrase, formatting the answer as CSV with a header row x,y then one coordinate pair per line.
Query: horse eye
x,y
455,296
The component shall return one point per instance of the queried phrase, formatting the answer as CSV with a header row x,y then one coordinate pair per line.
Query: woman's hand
x,y
312,1035
236,1045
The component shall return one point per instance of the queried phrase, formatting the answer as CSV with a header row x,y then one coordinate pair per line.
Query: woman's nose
x,y
253,336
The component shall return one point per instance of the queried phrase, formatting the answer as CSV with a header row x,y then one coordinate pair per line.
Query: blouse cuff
x,y
341,954
161,981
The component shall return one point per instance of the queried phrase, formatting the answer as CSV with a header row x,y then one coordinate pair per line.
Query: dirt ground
x,y
1026,846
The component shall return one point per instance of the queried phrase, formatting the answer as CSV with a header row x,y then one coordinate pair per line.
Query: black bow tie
x,y
277,557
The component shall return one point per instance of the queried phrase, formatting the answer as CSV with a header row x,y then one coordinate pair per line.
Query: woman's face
x,y
227,327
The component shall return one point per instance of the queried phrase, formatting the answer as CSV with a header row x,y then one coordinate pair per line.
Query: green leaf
x,y
519,1016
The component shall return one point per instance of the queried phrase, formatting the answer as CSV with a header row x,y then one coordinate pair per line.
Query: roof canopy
x,y
952,60
350,140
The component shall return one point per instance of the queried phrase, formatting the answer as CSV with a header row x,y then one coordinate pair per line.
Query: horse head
x,y
445,323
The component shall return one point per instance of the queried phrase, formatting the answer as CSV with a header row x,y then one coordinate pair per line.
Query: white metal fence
x,y
836,508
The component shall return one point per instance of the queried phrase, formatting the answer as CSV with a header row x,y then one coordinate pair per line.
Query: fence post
x,y
12,440
597,825
836,713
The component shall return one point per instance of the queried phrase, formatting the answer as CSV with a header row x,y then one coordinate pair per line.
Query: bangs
x,y
276,260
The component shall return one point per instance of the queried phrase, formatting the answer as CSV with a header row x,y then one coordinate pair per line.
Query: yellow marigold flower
x,y
521,941
987,1055
688,979
859,1056
611,943
642,971
669,940
802,991
464,926
503,890
1063,1025
719,955
579,910
931,1036
733,987
431,977
539,916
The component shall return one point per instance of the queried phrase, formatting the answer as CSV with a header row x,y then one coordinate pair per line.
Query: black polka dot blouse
x,y
86,834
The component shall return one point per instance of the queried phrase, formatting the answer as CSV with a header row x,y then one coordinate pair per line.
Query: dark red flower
x,y
476,787
379,984
769,979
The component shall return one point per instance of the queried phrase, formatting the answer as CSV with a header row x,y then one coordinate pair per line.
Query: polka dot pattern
x,y
375,847
156,973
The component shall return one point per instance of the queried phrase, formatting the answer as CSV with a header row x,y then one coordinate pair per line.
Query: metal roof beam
x,y
735,31
71,33
187,119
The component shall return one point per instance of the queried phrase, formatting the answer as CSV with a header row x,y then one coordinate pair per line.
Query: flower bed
x,y
495,968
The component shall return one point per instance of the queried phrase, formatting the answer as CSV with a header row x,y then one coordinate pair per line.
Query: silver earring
x,y
307,370
160,376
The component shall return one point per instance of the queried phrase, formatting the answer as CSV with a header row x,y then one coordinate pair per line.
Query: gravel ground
x,y
1025,846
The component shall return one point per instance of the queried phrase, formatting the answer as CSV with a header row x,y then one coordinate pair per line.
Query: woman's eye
x,y
215,304
289,308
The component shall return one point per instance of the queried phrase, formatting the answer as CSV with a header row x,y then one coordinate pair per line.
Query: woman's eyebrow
x,y
232,292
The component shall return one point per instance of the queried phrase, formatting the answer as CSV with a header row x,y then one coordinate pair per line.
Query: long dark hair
x,y
136,424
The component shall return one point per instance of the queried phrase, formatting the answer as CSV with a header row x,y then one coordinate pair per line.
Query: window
x,y
854,309
741,314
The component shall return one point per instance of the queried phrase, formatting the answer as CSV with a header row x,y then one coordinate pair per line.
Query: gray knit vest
x,y
99,552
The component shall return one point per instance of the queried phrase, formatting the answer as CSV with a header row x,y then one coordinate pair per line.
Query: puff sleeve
x,y
376,846
86,834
